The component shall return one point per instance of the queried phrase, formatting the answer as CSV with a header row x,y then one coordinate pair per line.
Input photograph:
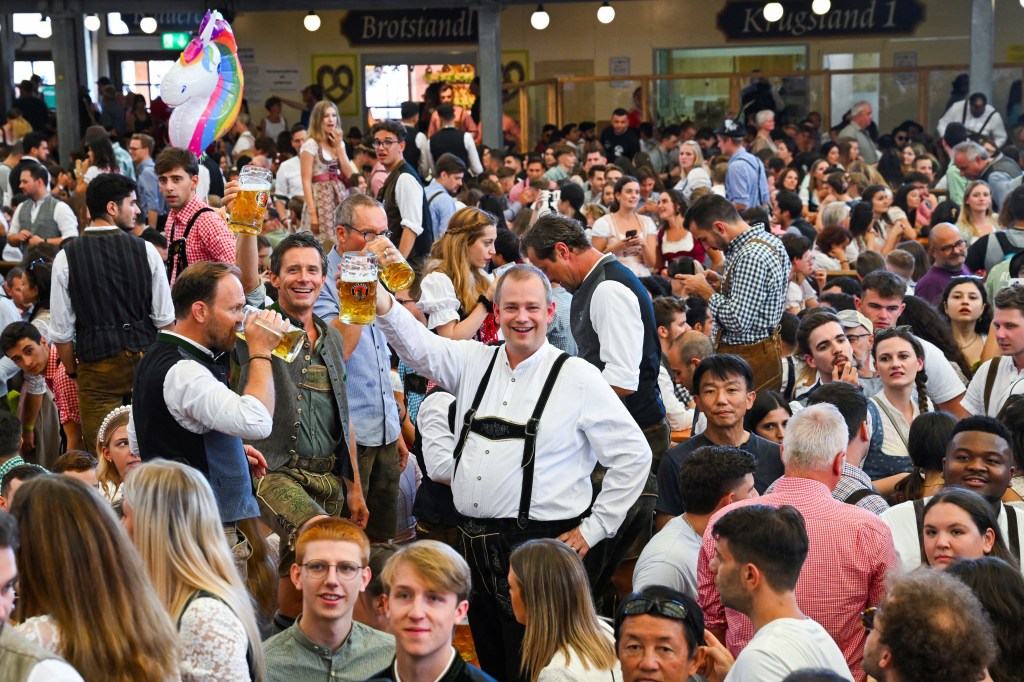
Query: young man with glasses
x,y
949,251
659,635
402,195
331,568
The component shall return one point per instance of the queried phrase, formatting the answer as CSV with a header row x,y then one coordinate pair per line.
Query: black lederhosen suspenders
x,y
495,428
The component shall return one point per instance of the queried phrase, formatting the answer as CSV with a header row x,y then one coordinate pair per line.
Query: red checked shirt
x,y
850,552
209,240
65,390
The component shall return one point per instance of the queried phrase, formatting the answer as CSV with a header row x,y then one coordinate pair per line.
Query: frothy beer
x,y
357,299
250,207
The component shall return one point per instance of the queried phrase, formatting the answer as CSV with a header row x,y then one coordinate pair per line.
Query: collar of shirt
x,y
186,212
197,349
857,473
805,488
319,649
451,659
604,259
743,237
52,364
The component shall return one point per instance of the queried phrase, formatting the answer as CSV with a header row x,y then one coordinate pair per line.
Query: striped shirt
x,y
850,552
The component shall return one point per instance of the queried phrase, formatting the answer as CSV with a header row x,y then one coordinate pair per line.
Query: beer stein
x,y
249,209
357,293
290,344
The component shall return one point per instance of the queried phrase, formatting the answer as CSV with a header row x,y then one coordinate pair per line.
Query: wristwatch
x,y
486,303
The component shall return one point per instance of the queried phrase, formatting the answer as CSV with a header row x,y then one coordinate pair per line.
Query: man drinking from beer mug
x,y
309,450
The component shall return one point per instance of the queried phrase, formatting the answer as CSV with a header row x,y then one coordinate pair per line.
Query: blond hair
x,y
560,614
106,473
178,533
78,567
439,566
964,219
316,119
450,254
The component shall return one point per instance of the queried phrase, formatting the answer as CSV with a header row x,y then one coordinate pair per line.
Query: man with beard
x,y
948,249
110,295
979,457
826,349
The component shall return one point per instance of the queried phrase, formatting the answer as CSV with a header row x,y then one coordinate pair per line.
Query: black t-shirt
x,y
627,144
670,498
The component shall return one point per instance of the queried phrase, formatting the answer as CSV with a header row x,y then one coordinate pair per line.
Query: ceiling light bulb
x,y
540,19
773,11
311,21
822,6
148,24
92,22
606,13
45,28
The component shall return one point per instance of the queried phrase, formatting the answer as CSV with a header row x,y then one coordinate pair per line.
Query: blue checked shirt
x,y
753,297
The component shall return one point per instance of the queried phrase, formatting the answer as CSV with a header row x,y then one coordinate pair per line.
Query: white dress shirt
x,y
983,125
288,181
200,403
1009,381
615,316
62,316
583,424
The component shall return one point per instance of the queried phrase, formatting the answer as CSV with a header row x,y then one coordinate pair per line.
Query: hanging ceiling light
x,y
821,6
606,13
773,11
540,19
92,22
45,28
311,21
148,24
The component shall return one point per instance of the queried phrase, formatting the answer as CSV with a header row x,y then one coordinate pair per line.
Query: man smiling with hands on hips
x,y
521,466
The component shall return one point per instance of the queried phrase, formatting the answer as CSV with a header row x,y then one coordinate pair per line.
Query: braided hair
x,y
922,377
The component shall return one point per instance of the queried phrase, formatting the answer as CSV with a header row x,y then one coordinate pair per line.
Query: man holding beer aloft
x,y
371,400
308,451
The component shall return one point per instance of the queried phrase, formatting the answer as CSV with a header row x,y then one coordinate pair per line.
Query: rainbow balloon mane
x,y
204,86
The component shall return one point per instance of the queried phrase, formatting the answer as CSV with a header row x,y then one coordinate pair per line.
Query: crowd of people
x,y
742,403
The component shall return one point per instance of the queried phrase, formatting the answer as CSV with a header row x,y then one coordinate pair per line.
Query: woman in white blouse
x,y
171,514
632,237
83,593
899,362
565,640
456,294
692,173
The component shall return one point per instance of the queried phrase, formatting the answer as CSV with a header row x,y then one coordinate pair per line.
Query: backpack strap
x,y
176,249
858,495
990,381
919,514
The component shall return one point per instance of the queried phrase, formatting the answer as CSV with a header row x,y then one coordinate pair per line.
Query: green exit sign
x,y
174,41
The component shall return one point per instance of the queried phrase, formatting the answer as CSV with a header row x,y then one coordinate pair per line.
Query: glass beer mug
x,y
290,344
357,293
395,271
249,209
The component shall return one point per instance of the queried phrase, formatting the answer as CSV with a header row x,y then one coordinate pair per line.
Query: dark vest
x,y
45,224
217,455
645,403
111,290
412,152
450,141
1002,163
387,197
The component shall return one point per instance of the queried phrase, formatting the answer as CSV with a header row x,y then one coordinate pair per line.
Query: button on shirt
x,y
209,240
850,552
371,402
292,656
584,424
63,215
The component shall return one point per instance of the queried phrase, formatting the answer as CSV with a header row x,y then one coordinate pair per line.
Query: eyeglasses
x,y
867,617
856,337
384,143
367,235
948,250
319,569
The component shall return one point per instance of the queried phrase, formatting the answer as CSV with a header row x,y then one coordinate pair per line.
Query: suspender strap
x,y
990,380
471,413
176,249
858,495
728,277
530,443
919,513
1012,531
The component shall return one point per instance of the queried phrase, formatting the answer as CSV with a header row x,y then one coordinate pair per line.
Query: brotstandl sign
x,y
745,20
418,27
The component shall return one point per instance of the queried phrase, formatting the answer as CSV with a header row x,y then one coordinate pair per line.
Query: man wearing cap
x,y
948,250
746,184
659,634
979,118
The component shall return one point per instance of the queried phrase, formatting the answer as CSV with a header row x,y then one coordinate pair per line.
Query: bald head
x,y
685,354
947,247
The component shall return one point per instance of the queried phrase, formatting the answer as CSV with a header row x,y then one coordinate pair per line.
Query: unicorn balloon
x,y
204,86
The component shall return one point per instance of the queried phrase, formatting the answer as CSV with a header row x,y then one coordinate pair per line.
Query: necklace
x,y
977,337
